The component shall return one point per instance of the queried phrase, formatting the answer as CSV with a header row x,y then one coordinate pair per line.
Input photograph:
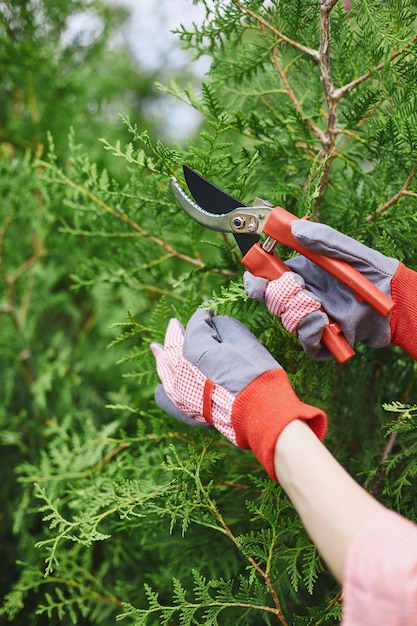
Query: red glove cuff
x,y
264,408
404,315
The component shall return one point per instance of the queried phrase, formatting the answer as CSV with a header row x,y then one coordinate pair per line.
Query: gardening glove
x,y
216,372
297,296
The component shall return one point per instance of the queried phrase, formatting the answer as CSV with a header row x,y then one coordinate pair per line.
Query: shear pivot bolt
x,y
253,224
238,222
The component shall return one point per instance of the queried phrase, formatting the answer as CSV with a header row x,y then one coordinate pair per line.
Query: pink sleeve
x,y
380,573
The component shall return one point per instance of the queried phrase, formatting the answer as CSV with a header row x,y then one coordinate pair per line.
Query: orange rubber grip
x,y
269,265
278,226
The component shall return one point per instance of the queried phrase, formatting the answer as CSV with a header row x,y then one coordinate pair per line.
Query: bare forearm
x,y
330,503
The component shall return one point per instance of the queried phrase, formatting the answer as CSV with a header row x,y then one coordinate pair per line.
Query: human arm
x,y
371,550
331,504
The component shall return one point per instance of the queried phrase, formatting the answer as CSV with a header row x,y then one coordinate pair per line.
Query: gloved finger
x,y
200,335
174,340
310,332
287,298
234,358
254,286
237,338
164,366
330,242
164,403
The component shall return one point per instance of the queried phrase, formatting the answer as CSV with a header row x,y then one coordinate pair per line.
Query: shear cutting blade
x,y
214,200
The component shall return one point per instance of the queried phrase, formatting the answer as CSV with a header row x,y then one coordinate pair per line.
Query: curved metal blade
x,y
214,221
215,200
242,221
207,195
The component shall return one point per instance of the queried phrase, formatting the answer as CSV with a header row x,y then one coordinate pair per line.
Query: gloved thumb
x,y
325,240
255,286
168,406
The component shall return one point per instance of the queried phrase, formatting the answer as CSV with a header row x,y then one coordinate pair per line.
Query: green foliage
x,y
112,509
58,70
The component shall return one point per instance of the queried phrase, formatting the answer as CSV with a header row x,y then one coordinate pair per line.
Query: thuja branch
x,y
18,310
228,532
327,137
333,96
316,130
404,191
11,277
76,585
118,449
106,208
263,573
326,7
40,580
264,24
342,91
321,55
198,606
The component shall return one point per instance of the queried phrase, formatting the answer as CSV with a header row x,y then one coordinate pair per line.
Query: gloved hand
x,y
217,372
296,298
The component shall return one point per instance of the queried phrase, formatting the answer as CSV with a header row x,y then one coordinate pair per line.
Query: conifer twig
x,y
327,138
134,225
404,191
264,574
73,583
342,91
265,24
224,528
326,7
386,452
316,130
322,56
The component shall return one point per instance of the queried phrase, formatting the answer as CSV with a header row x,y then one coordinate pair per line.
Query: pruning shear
x,y
217,210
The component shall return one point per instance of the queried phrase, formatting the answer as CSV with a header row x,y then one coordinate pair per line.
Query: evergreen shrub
x,y
122,513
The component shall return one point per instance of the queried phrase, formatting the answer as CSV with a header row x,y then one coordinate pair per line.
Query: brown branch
x,y
316,130
17,314
388,447
387,205
265,24
3,231
91,592
109,456
327,137
12,278
265,575
326,7
341,91
386,452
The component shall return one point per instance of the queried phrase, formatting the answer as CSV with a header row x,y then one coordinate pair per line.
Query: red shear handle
x,y
269,265
278,226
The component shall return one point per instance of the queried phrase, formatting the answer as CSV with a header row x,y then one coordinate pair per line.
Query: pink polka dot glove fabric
x,y
216,372
188,388
288,299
